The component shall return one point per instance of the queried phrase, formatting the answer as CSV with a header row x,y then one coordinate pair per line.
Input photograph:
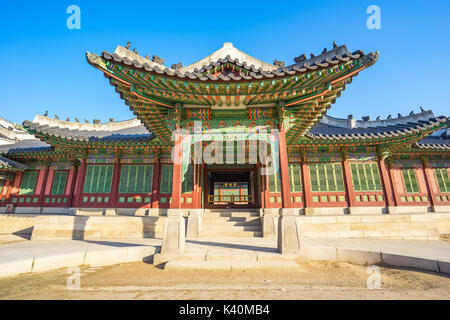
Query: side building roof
x,y
419,125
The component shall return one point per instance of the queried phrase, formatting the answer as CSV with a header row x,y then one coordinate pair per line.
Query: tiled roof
x,y
28,145
391,128
8,164
124,131
302,65
438,141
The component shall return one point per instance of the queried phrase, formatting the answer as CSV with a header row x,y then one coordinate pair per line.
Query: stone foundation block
x,y
288,232
359,257
410,262
174,239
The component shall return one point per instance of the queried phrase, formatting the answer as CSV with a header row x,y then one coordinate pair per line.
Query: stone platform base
x,y
97,227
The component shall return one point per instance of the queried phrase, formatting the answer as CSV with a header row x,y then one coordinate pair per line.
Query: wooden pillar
x,y
394,190
262,194
387,183
44,183
79,184
16,184
284,170
115,184
197,187
307,195
72,185
428,180
348,184
156,183
4,192
177,167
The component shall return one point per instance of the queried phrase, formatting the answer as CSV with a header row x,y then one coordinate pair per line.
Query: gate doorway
x,y
228,188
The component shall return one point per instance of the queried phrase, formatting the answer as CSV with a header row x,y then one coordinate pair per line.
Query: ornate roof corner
x,y
371,58
94,60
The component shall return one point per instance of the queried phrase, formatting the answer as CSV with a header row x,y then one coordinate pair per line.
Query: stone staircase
x,y
232,223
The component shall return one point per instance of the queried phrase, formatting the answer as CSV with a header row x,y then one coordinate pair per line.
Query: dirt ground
x,y
313,280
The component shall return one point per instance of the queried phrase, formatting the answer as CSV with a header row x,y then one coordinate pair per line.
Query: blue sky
x,y
43,64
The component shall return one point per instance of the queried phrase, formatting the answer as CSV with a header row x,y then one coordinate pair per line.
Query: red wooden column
x,y
4,192
177,166
197,187
307,195
79,184
394,190
44,184
387,183
428,180
262,187
73,183
156,183
348,183
115,183
16,184
284,170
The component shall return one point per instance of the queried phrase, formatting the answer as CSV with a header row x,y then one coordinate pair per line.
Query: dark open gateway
x,y
231,189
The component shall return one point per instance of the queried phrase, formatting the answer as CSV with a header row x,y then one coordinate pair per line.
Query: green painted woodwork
x,y
326,177
188,183
366,177
28,183
295,177
98,179
443,179
166,179
274,183
410,180
136,179
59,183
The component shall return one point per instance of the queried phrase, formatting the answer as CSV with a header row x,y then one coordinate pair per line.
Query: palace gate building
x,y
229,131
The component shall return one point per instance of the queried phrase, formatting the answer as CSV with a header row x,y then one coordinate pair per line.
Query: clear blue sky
x,y
43,65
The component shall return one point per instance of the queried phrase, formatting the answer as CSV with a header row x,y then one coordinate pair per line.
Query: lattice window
x,y
28,183
443,180
326,177
274,183
98,179
295,177
366,177
166,179
410,180
59,183
188,184
136,179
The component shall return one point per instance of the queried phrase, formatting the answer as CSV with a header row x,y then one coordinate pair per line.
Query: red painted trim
x,y
394,190
306,185
79,184
72,185
348,183
428,178
43,187
284,170
156,184
386,183
177,167
115,185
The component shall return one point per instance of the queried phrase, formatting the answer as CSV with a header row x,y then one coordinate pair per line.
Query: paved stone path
x,y
218,253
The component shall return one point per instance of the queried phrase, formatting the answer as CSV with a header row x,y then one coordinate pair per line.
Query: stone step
x,y
230,265
233,233
231,223
231,214
212,218
230,227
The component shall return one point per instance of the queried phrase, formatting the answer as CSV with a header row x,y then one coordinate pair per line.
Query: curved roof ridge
x,y
235,54
108,126
422,116
353,124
